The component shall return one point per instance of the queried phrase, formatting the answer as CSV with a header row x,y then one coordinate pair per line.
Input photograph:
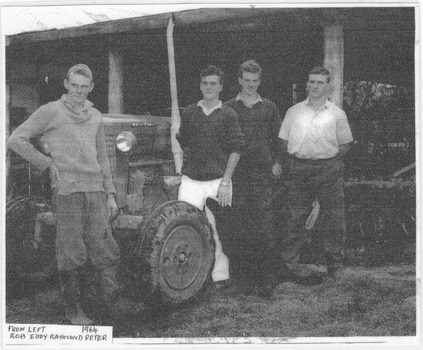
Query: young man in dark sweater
x,y
253,191
211,139
83,200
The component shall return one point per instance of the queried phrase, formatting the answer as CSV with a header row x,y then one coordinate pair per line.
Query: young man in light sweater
x,y
83,198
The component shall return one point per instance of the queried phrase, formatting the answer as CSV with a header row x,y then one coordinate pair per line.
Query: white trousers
x,y
196,193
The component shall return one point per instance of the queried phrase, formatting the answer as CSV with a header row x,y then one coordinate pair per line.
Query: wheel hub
x,y
181,257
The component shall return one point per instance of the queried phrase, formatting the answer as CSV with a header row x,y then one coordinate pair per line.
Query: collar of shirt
x,y
326,105
67,102
208,111
254,101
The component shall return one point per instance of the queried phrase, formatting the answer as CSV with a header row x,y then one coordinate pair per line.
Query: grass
x,y
371,297
348,306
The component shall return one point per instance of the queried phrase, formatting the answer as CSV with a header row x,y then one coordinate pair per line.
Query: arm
x,y
182,137
343,135
224,193
20,143
278,168
108,185
103,160
235,140
283,138
34,126
283,144
343,149
275,126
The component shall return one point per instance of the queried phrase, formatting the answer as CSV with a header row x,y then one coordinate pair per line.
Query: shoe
x,y
262,291
76,316
72,298
318,269
311,280
301,274
333,268
261,286
221,285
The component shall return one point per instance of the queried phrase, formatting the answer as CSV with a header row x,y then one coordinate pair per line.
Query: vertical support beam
x,y
115,81
334,60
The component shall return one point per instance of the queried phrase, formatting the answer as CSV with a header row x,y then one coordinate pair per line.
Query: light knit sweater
x,y
76,142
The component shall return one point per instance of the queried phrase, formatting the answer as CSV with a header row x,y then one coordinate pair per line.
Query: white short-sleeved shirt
x,y
315,135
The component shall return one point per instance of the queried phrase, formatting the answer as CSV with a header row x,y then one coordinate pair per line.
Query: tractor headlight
x,y
125,141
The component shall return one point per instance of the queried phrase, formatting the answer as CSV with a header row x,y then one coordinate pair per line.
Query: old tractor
x,y
167,246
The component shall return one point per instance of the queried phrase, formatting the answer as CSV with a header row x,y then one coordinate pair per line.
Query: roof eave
x,y
138,24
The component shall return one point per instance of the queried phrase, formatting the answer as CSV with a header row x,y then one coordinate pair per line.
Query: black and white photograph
x,y
191,175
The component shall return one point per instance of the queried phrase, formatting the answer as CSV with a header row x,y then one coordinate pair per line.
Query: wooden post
x,y
115,81
334,61
178,154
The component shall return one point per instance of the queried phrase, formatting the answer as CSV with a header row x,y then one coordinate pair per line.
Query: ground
x,y
374,295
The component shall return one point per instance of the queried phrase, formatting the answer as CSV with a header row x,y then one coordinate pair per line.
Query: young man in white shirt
x,y
315,136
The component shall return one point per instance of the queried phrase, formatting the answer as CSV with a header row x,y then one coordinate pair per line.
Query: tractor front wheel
x,y
175,252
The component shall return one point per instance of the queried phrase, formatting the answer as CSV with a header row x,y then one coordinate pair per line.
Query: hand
x,y
54,175
112,208
224,195
277,170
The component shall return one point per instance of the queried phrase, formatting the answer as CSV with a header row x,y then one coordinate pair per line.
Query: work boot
x,y
72,299
306,274
89,279
334,265
89,283
112,295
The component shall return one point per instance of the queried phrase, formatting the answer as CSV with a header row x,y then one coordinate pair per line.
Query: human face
x,y
317,85
78,86
211,87
249,83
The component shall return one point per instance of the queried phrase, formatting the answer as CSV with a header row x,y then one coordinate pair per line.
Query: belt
x,y
311,161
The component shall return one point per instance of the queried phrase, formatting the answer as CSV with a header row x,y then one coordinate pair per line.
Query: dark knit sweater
x,y
260,124
208,140
77,144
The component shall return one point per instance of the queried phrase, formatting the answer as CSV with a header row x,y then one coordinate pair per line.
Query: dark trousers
x,y
308,180
253,240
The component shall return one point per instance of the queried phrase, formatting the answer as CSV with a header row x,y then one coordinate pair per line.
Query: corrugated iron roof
x,y
17,20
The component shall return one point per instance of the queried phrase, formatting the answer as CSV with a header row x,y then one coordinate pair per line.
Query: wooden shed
x,y
130,64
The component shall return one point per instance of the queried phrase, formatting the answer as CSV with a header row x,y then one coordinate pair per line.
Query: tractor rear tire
x,y
175,252
24,263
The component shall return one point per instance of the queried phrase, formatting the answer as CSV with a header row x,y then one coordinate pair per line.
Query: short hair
x,y
320,71
80,69
213,70
250,66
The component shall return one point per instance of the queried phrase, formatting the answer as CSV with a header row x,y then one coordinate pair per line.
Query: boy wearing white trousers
x,y
211,139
